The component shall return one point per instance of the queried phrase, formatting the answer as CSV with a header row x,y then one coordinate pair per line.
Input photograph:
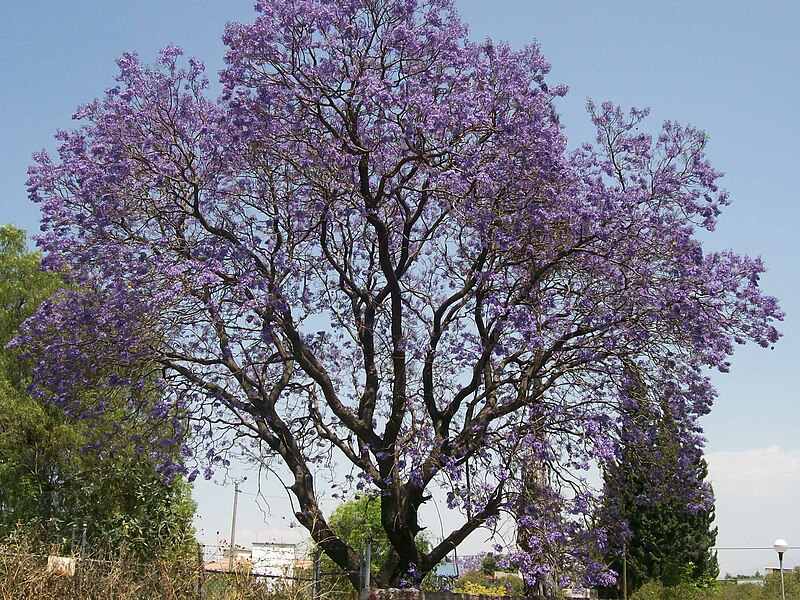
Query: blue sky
x,y
730,68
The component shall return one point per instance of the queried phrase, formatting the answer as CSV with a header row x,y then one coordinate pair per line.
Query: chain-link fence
x,y
263,571
215,573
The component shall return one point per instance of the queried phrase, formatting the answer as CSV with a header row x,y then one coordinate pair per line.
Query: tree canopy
x,y
57,473
358,521
374,253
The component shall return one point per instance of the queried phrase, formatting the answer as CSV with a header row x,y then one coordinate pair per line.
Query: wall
x,y
394,594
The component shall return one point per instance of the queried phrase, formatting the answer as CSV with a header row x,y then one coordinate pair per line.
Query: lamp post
x,y
780,547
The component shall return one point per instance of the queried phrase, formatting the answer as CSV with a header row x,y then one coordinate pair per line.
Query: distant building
x,y
222,564
447,569
580,593
274,561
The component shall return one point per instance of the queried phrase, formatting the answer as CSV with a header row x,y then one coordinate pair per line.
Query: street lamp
x,y
780,547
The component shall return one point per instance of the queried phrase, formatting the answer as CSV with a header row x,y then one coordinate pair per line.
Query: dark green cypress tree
x,y
668,540
658,508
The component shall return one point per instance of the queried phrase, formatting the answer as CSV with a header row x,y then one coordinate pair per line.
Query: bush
x,y
477,588
478,582
24,574
655,590
771,590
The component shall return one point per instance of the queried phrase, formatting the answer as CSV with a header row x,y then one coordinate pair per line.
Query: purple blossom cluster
x,y
374,250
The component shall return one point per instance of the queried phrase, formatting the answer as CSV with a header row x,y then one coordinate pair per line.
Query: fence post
x,y
315,573
81,562
201,571
72,543
74,581
367,565
361,566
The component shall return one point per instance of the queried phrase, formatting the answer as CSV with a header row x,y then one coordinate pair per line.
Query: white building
x,y
274,560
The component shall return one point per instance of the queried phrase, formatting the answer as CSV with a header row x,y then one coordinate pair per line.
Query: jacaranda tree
x,y
374,254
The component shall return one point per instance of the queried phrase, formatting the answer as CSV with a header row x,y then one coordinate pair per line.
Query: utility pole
x,y
233,524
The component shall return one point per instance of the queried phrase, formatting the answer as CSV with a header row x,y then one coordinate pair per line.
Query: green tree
x,y
358,522
657,505
667,540
51,476
31,442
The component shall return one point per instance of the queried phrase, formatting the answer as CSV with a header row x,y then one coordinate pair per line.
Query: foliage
x,y
655,590
23,286
662,536
52,479
476,588
479,582
355,522
772,585
358,522
244,586
24,574
489,564
723,590
373,251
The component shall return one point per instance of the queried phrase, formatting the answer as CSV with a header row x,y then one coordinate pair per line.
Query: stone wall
x,y
395,594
